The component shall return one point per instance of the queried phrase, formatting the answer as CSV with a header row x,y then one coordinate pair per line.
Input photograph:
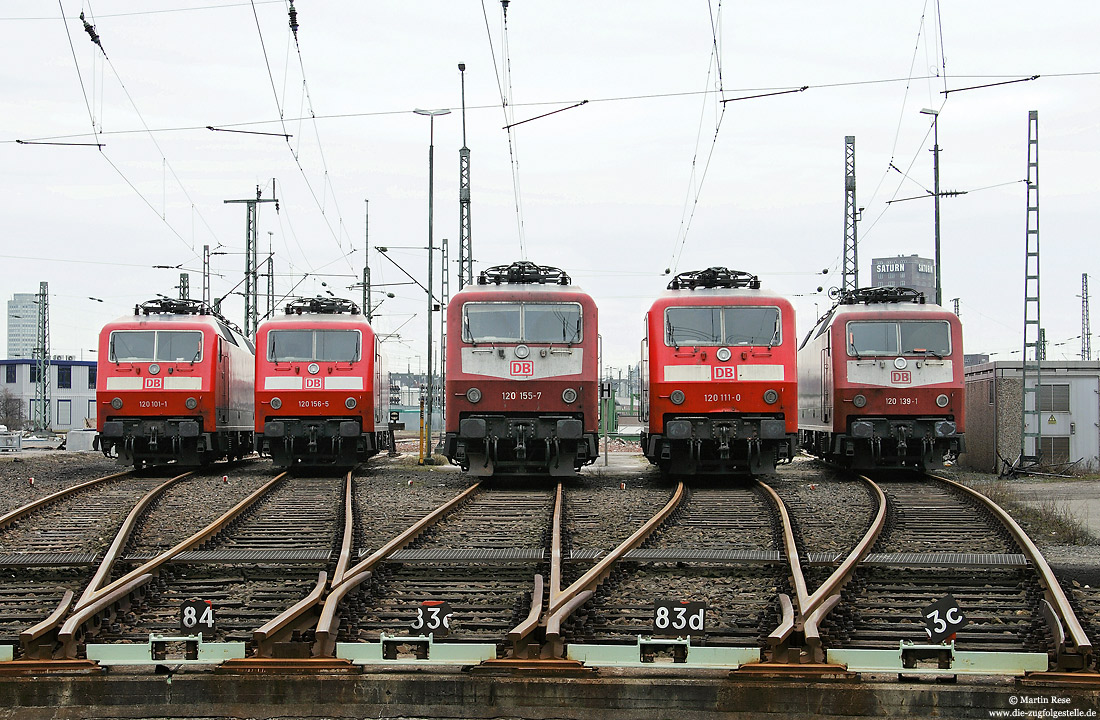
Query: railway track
x,y
721,546
266,560
50,547
941,539
480,559
62,549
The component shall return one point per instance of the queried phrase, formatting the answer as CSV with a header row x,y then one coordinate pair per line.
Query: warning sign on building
x,y
1052,420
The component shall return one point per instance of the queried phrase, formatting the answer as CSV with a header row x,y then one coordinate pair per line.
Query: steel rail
x,y
33,633
328,622
263,639
1060,605
21,512
348,539
802,595
51,623
96,611
303,613
107,595
562,606
519,635
827,595
123,536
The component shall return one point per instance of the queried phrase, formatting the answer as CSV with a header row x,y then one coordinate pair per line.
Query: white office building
x,y
72,393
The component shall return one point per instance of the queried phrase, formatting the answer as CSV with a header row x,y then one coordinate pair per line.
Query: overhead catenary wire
x,y
691,204
97,41
509,122
541,103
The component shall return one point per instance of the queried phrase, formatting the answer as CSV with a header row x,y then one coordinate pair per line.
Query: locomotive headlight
x,y
723,354
350,403
569,395
276,403
473,395
522,351
677,397
154,369
771,397
116,403
942,400
191,403
313,368
900,363
859,401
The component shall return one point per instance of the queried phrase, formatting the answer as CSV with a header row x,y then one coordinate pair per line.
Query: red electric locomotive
x,y
718,376
522,373
881,382
174,384
322,391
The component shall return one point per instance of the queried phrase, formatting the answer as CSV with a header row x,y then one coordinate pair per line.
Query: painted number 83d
x,y
675,616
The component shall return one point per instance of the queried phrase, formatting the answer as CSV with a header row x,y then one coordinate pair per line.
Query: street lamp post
x,y
936,192
431,192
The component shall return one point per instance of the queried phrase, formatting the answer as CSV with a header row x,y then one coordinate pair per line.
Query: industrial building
x,y
1069,405
905,271
72,393
22,324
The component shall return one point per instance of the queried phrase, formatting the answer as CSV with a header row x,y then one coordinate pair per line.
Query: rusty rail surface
x,y
348,540
304,613
123,536
328,622
520,635
1063,611
562,606
294,618
105,597
21,512
798,581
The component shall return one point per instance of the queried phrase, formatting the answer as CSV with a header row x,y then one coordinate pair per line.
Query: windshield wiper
x,y
852,345
925,351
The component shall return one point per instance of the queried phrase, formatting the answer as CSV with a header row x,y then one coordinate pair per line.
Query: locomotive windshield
x,y
309,345
156,346
730,325
521,322
904,337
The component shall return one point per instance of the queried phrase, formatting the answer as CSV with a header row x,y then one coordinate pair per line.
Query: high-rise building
x,y
22,325
905,271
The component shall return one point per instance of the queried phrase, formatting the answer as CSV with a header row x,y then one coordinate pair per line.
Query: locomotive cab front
x,y
521,384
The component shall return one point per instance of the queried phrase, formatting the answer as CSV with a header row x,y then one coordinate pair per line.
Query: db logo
x,y
313,383
154,383
901,377
724,372
522,367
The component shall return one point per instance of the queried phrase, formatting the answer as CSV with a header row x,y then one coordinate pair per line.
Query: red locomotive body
x,y
175,383
522,373
881,382
322,391
718,376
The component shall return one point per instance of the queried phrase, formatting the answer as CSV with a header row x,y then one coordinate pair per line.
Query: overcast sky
x,y
650,174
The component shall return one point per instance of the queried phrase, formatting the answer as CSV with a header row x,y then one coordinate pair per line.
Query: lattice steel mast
x,y
465,246
41,354
251,290
1031,427
1086,329
851,257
